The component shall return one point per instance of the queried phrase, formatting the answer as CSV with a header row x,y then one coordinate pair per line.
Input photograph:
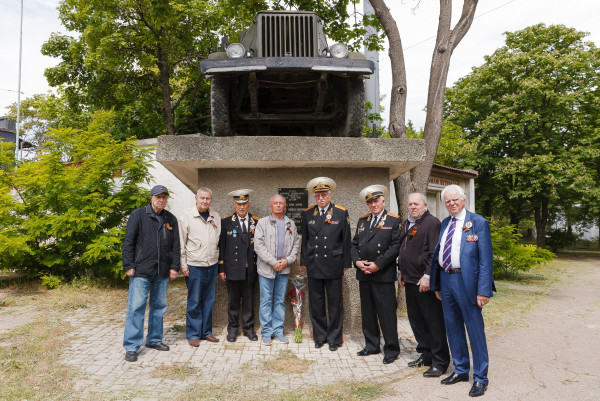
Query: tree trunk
x,y
541,220
165,87
446,41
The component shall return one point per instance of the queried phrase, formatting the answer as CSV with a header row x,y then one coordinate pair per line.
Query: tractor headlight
x,y
339,50
236,50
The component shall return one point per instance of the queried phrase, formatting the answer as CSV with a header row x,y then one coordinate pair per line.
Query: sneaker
x,y
266,341
282,339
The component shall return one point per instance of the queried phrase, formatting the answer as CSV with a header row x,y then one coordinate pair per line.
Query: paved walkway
x,y
96,349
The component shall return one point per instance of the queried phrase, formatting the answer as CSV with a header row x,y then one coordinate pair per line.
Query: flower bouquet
x,y
295,296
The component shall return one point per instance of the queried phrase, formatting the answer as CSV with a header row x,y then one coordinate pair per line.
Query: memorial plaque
x,y
296,200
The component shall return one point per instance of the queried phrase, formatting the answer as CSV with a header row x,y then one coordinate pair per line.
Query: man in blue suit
x,y
462,278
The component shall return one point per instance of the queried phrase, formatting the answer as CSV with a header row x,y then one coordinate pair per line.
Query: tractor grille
x,y
281,34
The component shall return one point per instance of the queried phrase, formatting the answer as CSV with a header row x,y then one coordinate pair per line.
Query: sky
x,y
417,29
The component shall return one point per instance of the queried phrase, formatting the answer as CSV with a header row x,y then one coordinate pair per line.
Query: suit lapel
x,y
463,236
374,230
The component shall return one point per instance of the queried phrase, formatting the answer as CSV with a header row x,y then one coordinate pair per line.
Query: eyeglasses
x,y
321,194
449,201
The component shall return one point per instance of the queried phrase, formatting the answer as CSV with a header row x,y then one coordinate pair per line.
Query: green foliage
x,y
65,212
51,282
511,257
533,112
559,238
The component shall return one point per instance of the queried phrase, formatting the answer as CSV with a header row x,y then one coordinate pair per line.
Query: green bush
x,y
64,214
51,282
511,257
558,239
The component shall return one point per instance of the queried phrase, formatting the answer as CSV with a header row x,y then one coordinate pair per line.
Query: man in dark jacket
x,y
374,252
325,254
237,264
420,234
150,258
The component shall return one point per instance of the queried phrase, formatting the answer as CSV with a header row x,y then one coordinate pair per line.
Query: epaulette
x,y
340,207
310,207
365,216
255,217
392,214
226,217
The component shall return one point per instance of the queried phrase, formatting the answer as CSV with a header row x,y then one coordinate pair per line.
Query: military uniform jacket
x,y
326,245
379,244
236,251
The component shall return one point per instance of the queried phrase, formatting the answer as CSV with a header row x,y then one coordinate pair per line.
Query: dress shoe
x,y
131,356
158,347
251,336
194,342
231,338
389,359
455,378
333,347
212,339
420,361
477,390
365,352
319,344
433,372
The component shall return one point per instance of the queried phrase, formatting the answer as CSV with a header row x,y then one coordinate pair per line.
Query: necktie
x,y
322,214
374,223
244,230
447,265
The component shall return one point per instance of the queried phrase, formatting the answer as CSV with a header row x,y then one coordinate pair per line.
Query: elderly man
x,y
199,229
276,244
420,233
374,252
462,278
325,254
150,259
237,264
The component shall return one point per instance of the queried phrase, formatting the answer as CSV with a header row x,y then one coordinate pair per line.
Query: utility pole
x,y
372,84
19,88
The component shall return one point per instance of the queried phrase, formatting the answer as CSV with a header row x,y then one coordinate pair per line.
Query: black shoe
x,y
333,347
365,352
319,344
477,390
231,338
158,347
433,372
455,378
131,356
389,359
420,361
251,336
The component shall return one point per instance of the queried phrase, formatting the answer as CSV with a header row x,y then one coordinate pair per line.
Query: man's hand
x,y
303,267
185,271
130,272
423,284
369,267
173,274
438,294
482,300
400,282
222,276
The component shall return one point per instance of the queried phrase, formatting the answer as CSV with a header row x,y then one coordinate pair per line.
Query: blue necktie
x,y
447,255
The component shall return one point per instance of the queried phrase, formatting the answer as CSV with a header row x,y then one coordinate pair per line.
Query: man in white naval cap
x,y
374,251
325,254
237,264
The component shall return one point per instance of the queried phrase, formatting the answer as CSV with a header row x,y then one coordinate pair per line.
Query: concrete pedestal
x,y
266,164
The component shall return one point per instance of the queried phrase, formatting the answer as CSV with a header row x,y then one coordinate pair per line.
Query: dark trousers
x,y
240,290
378,309
427,323
318,291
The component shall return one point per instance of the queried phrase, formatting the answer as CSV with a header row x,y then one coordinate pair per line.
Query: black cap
x,y
159,189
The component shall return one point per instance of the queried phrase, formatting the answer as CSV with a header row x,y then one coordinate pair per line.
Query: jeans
x,y
139,287
272,304
201,285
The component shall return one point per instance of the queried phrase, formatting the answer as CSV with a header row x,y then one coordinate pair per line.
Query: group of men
x,y
445,268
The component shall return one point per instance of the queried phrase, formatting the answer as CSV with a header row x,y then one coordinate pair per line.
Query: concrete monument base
x,y
266,164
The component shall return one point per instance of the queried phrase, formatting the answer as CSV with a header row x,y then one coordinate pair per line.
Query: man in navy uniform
x,y
374,251
237,264
325,254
